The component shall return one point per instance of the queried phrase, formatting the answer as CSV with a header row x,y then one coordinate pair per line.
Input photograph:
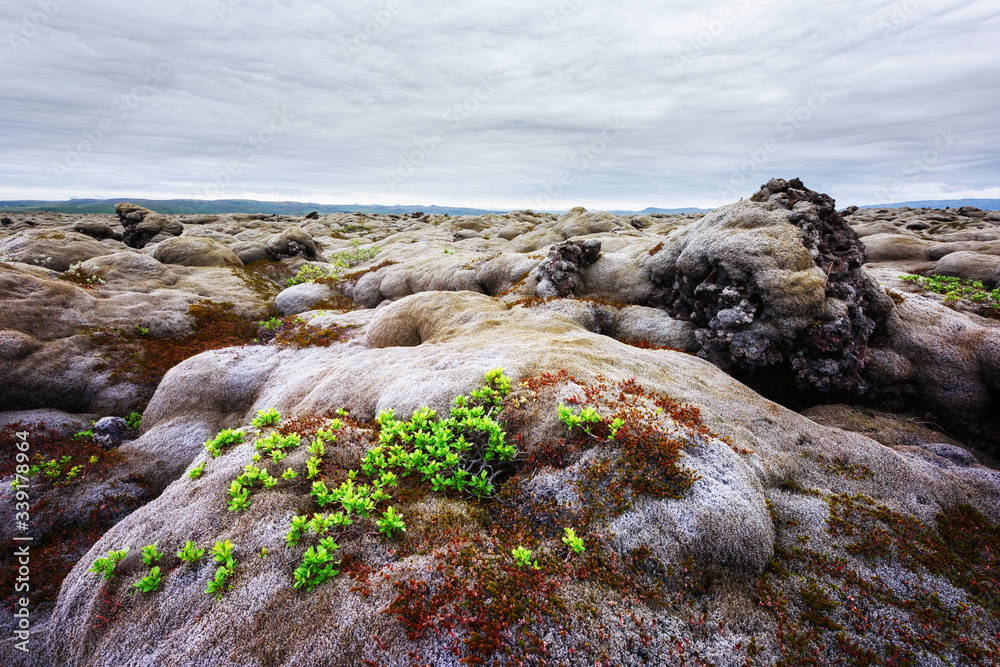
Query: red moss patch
x,y
142,359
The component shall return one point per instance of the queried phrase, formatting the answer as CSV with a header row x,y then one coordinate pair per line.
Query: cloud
x,y
497,104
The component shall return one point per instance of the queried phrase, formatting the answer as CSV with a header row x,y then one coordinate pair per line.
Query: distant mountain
x,y
188,206
665,211
985,204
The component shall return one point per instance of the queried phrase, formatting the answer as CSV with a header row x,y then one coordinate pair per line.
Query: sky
x,y
507,104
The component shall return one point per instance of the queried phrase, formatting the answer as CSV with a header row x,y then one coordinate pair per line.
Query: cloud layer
x,y
512,104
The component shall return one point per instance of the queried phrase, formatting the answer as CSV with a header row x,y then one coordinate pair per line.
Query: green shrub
x,y
573,542
106,566
391,522
267,417
189,554
317,565
150,582
955,289
150,554
225,438
134,420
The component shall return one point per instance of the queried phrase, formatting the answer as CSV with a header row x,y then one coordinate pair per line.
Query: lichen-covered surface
x,y
716,526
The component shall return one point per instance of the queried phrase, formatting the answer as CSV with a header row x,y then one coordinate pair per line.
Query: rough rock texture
x,y
97,230
110,432
54,249
970,265
142,225
559,274
249,251
724,274
300,298
194,251
293,242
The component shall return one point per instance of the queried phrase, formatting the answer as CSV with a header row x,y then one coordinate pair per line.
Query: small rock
x,y
110,432
293,242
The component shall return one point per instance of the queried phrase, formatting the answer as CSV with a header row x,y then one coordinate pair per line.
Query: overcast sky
x,y
505,104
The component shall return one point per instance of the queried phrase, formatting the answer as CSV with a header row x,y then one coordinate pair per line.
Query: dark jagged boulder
x,y
142,225
559,274
776,288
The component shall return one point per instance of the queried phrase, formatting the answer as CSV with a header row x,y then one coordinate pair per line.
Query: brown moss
x,y
59,539
902,623
142,359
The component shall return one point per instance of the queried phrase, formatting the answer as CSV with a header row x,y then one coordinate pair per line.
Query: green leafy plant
x,y
82,435
954,289
267,417
220,583
151,582
317,565
239,497
150,554
190,554
134,420
222,551
76,273
271,324
522,557
391,522
299,523
197,471
106,566
309,273
289,474
571,540
586,417
225,438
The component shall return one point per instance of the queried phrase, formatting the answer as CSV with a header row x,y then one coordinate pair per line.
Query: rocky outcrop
x,y
775,285
143,225
292,242
559,274
195,251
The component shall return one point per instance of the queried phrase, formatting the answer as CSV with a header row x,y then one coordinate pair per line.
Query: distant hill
x,y
665,211
191,206
985,204
182,206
